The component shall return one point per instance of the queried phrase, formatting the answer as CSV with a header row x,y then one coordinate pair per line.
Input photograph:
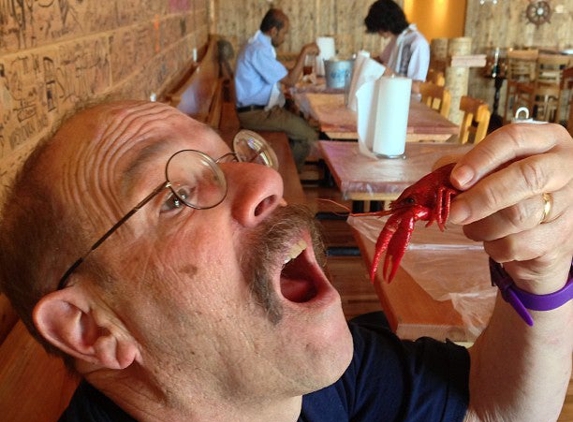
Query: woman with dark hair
x,y
408,52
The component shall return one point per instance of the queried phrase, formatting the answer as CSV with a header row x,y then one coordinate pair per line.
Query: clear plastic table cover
x,y
447,265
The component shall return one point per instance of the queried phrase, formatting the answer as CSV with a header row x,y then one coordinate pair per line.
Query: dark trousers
x,y
301,135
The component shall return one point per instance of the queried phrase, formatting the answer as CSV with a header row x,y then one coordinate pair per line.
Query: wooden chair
x,y
567,87
546,103
436,77
475,121
437,97
520,73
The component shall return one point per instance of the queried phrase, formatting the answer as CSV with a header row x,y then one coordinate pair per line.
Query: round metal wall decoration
x,y
538,12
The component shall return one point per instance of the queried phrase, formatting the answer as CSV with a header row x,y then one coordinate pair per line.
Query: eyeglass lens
x,y
195,179
252,148
198,181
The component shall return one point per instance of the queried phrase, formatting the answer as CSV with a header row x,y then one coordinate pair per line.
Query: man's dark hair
x,y
385,16
274,18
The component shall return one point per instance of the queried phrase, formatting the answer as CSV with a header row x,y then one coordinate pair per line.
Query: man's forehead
x,y
145,129
130,138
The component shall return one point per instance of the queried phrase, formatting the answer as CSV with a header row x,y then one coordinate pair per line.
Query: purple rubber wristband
x,y
522,300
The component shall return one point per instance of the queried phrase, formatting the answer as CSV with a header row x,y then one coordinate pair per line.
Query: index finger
x,y
503,146
511,165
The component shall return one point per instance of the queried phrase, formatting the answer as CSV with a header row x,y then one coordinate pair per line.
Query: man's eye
x,y
176,201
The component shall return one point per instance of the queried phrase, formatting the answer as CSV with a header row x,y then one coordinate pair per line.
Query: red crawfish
x,y
428,200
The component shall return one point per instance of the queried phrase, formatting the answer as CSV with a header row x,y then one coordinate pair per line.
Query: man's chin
x,y
333,361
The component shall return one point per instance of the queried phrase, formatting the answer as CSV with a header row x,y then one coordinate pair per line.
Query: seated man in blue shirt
x,y
258,79
180,286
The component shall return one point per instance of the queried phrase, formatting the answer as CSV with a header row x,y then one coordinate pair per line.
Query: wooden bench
x,y
34,386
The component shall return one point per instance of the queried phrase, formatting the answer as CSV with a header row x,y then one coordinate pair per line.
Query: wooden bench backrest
x,y
199,96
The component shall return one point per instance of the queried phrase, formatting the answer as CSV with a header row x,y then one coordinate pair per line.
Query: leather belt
x,y
250,108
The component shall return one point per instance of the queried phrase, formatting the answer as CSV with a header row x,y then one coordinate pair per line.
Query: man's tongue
x,y
296,285
298,291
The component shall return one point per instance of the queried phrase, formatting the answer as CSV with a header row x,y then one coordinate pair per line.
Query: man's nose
x,y
255,191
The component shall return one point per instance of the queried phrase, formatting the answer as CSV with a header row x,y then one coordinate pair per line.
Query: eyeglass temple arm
x,y
259,152
63,281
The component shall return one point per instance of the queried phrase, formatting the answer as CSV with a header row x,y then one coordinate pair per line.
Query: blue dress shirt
x,y
257,71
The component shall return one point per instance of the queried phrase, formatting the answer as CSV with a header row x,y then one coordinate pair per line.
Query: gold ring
x,y
547,204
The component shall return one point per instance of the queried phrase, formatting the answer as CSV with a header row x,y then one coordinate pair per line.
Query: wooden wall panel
x,y
53,59
344,20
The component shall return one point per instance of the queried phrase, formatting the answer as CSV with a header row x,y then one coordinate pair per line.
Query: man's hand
x,y
520,372
310,48
508,173
295,73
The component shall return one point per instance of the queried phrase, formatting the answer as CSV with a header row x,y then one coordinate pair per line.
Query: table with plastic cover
x,y
363,178
337,121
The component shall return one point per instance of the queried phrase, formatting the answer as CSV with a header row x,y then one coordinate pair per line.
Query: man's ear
x,y
66,318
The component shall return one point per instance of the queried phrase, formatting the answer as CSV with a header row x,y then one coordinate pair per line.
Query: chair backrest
x,y
475,121
567,84
550,68
521,65
436,77
437,97
546,103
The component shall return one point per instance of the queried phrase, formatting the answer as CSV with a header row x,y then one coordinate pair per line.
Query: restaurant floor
x,y
349,273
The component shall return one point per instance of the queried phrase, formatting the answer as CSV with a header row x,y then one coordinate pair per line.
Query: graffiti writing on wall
x,y
26,24
37,88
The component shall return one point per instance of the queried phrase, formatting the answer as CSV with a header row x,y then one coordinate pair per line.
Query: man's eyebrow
x,y
134,171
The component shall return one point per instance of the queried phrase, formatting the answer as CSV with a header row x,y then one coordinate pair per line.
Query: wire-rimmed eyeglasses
x,y
195,180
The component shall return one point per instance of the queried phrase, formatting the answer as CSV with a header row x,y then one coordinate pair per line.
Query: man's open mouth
x,y
297,284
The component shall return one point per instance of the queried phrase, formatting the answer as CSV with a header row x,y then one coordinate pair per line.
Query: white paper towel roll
x,y
382,116
327,52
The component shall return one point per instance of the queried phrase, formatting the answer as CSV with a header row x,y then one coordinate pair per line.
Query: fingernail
x,y
463,175
459,212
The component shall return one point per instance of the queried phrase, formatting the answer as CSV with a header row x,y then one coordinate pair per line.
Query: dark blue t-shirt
x,y
387,380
